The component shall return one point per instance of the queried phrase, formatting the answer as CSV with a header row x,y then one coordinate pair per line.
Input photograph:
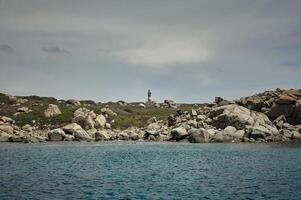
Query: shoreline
x,y
271,116
131,142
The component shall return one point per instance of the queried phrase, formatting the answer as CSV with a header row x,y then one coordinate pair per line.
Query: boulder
x,y
80,119
154,126
92,114
231,115
231,131
253,103
81,112
121,103
179,133
170,103
285,99
240,118
4,137
193,123
7,120
19,139
52,110
56,135
74,102
23,109
201,117
152,133
222,102
92,132
89,123
220,137
152,138
134,136
108,126
141,105
123,136
193,112
82,135
101,136
12,99
69,138
262,132
27,128
100,121
7,129
279,121
198,135
109,112
211,132
35,139
71,128
296,135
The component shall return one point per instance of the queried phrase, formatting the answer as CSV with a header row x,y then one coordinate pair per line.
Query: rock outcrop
x,y
276,103
89,120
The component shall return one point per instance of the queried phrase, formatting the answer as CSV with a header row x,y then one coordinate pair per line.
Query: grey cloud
x,y
188,50
6,48
55,50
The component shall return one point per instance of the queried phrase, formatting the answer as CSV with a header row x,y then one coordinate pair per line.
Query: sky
x,y
188,51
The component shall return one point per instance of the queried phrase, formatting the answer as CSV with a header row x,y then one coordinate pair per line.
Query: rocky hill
x,y
271,116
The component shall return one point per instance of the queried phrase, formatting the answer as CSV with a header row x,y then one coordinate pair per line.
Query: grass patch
x,y
123,122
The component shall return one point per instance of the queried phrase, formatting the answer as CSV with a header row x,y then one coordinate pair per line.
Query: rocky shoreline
x,y
272,116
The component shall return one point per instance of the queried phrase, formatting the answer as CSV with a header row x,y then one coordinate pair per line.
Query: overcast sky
x,y
189,51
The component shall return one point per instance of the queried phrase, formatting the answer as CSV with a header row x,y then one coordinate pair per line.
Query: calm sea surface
x,y
149,171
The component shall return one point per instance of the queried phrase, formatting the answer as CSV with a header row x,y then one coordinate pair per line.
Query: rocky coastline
x,y
271,116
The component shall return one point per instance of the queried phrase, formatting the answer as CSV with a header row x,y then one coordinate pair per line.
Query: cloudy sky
x,y
189,51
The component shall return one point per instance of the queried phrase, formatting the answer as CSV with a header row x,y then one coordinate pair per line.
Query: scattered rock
x,y
121,103
198,135
170,103
52,110
7,129
56,135
19,139
100,121
71,128
7,120
23,110
101,136
134,136
69,138
231,131
178,133
123,136
27,128
108,126
151,134
193,112
4,137
82,135
141,105
74,102
89,123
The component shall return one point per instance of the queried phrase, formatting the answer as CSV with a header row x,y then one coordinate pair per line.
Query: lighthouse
x,y
149,94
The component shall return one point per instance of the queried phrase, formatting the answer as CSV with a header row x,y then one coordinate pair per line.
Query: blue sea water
x,y
149,171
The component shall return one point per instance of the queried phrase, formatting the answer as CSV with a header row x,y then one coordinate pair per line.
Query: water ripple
x,y
149,171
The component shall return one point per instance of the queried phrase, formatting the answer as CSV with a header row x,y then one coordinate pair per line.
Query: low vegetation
x,y
127,115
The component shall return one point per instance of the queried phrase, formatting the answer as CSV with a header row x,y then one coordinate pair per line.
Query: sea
x,y
144,170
